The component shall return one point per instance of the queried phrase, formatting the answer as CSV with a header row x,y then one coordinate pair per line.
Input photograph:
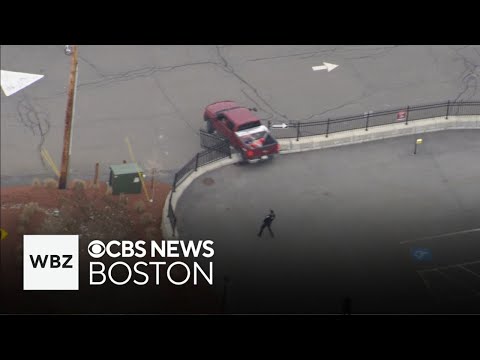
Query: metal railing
x,y
218,148
215,153
171,214
201,159
298,129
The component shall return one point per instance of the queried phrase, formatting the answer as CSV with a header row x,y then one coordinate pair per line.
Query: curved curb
x,y
288,146
167,230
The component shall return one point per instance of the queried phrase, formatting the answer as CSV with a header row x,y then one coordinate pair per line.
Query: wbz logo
x,y
50,262
54,261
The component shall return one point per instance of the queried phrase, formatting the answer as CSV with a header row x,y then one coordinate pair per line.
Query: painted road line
x,y
427,284
326,66
470,271
458,282
12,81
450,266
436,292
441,235
50,161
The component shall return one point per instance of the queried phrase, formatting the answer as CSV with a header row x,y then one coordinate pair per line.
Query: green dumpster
x,y
125,179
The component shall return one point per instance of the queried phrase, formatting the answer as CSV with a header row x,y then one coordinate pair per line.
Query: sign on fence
x,y
402,115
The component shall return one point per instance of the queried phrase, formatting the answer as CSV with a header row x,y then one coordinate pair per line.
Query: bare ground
x,y
93,214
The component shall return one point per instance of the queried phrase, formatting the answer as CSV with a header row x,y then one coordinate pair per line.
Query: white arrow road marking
x,y
326,66
12,81
283,126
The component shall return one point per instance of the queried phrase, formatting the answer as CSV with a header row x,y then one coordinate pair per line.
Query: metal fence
x,y
219,151
201,159
401,115
218,148
171,214
211,141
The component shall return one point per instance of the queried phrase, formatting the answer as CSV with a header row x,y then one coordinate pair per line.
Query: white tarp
x,y
252,131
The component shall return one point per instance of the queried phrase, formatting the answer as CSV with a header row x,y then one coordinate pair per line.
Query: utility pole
x,y
153,184
95,179
67,137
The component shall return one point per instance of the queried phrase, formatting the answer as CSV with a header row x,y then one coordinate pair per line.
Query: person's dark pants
x,y
264,225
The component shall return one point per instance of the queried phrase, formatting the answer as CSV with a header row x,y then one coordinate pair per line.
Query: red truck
x,y
242,128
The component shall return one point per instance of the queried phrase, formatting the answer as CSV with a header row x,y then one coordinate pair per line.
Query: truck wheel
x,y
210,128
243,159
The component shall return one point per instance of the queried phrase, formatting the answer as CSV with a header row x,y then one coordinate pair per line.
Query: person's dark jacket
x,y
269,219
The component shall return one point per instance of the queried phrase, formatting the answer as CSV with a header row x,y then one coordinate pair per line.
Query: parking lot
x,y
156,95
351,221
348,222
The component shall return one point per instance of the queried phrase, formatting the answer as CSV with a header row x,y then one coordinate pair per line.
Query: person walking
x,y
267,222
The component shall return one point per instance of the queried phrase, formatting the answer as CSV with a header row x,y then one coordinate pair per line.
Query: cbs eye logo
x,y
96,249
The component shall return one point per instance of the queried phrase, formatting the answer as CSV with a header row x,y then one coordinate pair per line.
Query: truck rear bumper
x,y
263,158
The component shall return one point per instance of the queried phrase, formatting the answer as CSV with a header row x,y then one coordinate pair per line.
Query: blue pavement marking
x,y
421,254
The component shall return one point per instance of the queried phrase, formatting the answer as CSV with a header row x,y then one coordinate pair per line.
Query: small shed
x,y
124,178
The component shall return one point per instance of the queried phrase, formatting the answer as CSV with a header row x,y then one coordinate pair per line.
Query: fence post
x,y
196,161
328,127
171,213
408,112
153,182
95,179
448,109
366,125
174,183
298,130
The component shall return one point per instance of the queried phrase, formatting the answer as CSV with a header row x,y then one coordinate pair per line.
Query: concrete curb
x,y
288,146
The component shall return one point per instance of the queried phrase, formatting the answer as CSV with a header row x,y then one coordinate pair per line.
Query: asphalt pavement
x,y
350,222
156,95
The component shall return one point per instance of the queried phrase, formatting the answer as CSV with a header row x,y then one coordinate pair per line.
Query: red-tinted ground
x,y
116,215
